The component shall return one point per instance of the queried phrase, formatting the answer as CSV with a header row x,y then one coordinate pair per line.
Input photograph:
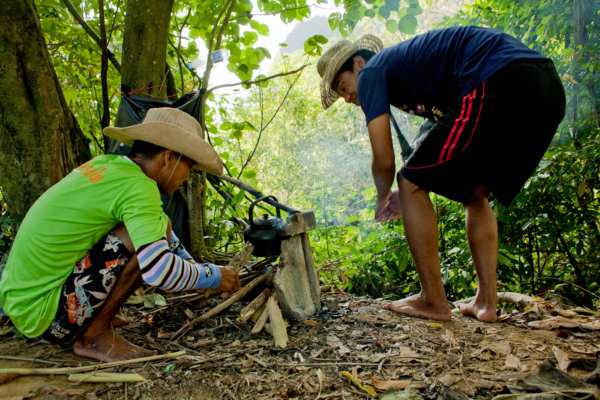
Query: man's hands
x,y
389,208
230,280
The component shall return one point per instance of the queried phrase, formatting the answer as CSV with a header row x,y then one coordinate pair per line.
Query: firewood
x,y
254,305
240,294
278,328
260,322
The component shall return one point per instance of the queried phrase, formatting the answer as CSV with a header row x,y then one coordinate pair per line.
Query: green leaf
x,y
334,20
249,38
320,39
249,174
261,28
236,134
408,24
154,300
391,25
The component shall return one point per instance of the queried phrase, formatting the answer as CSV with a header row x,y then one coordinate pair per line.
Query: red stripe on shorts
x,y
449,140
471,96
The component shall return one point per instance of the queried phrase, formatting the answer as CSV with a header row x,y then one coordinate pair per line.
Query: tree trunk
x,y
40,140
145,46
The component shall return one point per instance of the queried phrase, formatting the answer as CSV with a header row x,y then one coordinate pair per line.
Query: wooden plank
x,y
278,329
313,276
296,283
300,223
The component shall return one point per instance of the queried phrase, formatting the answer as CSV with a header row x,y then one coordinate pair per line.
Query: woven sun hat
x,y
174,130
333,59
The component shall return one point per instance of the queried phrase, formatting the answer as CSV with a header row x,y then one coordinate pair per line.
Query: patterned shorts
x,y
87,287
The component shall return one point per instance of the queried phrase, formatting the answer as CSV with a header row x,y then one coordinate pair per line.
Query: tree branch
x,y
178,49
265,126
254,82
91,33
105,121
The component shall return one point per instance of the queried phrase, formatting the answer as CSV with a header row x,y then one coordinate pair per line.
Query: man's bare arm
x,y
383,166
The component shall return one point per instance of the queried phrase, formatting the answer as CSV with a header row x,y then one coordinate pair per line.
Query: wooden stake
x,y
260,323
87,368
278,329
254,305
241,293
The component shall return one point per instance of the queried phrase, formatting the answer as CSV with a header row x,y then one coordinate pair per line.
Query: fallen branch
x,y
224,305
87,368
509,297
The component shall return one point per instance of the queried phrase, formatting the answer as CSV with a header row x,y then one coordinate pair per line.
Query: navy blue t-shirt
x,y
435,68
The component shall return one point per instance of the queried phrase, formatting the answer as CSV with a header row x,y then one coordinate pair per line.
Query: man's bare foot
x,y
107,347
418,306
483,312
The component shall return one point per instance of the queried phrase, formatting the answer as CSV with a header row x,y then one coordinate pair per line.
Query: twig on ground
x,y
87,368
105,377
28,359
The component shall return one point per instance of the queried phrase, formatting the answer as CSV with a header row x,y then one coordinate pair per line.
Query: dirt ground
x,y
350,349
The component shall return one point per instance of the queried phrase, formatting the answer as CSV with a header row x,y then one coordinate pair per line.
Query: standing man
x,y
91,239
493,106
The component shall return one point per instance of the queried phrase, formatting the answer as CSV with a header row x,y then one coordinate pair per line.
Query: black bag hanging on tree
x,y
265,233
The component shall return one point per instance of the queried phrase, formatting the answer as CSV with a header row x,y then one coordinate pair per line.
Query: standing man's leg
x,y
482,231
421,231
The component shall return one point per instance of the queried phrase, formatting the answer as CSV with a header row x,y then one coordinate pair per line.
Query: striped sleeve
x,y
177,247
161,267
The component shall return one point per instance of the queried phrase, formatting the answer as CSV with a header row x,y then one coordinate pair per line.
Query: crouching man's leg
x,y
92,296
421,231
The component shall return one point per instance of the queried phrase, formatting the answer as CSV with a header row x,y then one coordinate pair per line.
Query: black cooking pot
x,y
265,233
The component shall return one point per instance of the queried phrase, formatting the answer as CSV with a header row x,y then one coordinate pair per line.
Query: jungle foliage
x,y
273,134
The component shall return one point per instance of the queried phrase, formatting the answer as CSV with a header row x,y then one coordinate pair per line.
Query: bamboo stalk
x,y
105,377
87,368
222,306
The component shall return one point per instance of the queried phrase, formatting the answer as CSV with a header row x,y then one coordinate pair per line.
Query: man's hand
x,y
230,280
389,208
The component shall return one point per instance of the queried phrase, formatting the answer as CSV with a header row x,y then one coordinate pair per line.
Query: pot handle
x,y
258,200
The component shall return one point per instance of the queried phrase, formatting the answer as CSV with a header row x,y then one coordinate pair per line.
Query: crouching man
x,y
91,239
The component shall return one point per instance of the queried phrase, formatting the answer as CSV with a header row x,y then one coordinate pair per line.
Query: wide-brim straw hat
x,y
174,130
333,59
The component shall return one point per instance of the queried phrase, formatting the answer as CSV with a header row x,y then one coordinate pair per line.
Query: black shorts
x,y
87,287
495,135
